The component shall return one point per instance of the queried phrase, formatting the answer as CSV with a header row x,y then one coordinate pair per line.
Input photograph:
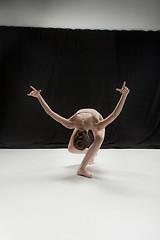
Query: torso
x,y
86,119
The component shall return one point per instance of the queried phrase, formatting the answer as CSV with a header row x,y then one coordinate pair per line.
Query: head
x,y
82,139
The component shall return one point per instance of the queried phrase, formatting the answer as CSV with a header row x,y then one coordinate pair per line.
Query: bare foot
x,y
83,173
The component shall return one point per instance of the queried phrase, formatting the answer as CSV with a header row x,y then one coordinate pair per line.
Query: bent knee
x,y
70,149
99,138
100,135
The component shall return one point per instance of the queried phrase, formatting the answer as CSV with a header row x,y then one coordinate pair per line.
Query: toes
x,y
84,174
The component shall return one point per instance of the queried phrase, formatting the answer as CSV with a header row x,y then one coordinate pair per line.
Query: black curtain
x,y
77,69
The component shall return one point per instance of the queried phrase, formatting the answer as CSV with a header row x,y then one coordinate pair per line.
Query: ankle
x,y
81,168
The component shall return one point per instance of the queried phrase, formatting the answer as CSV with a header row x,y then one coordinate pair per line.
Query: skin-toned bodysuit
x,y
85,119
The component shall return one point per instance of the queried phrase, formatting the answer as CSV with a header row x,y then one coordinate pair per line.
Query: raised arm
x,y
102,124
68,123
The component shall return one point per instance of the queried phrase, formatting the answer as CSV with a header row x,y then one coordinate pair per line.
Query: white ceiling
x,y
83,14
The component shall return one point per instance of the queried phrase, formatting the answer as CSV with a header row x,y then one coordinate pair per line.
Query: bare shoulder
x,y
73,118
71,121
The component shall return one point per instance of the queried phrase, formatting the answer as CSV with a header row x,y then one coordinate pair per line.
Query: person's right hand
x,y
34,93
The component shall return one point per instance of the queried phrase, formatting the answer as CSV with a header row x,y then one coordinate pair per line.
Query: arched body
x,y
85,119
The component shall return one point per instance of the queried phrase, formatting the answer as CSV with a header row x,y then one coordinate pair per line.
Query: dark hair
x,y
82,139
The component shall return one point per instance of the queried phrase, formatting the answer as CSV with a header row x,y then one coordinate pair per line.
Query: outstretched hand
x,y
124,90
34,93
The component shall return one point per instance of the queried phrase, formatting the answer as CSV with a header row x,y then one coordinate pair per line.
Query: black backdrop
x,y
77,69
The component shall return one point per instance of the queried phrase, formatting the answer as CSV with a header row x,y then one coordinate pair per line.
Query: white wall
x,y
91,14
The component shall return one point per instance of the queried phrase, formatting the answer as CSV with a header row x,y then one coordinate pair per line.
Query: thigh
x,y
98,140
99,134
70,144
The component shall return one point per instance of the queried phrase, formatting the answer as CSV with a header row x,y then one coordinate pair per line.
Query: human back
x,y
92,111
86,119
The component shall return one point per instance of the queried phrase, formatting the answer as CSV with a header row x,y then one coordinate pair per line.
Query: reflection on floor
x,y
41,197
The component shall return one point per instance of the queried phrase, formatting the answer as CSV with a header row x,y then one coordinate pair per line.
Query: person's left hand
x,y
124,90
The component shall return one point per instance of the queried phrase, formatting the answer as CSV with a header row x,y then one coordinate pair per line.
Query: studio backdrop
x,y
78,69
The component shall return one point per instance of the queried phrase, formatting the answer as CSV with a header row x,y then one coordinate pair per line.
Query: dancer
x,y
82,122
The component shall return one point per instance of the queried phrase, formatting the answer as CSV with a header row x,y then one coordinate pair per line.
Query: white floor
x,y
41,197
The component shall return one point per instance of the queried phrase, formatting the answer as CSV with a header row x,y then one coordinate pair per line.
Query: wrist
x,y
124,95
39,96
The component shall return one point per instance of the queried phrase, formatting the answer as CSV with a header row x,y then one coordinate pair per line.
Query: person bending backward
x,y
83,121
